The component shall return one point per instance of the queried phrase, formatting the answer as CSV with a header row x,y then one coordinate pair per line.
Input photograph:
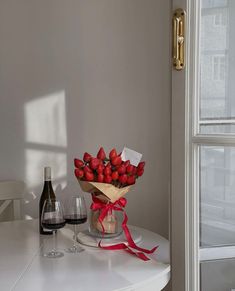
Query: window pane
x,y
217,196
218,275
217,67
217,128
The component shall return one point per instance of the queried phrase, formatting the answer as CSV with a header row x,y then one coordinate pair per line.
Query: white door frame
x,y
185,158
184,205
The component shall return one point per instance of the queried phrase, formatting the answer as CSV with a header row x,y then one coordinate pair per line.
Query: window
x,y
213,144
219,68
220,19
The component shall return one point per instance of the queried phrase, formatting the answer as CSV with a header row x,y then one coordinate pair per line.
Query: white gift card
x,y
133,156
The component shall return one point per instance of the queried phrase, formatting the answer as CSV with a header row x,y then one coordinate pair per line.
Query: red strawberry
x,y
134,170
94,163
101,154
126,163
100,178
108,165
122,169
78,163
101,162
129,169
86,169
122,179
140,172
107,179
115,175
100,169
87,157
131,180
116,161
112,154
89,176
107,171
79,173
141,165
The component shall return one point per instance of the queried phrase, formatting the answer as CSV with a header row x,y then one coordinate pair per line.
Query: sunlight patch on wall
x,y
45,120
45,140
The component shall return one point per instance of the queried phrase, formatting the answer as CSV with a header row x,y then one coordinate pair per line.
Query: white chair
x,y
11,192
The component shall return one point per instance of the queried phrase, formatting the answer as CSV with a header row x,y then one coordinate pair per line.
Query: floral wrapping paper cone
x,y
108,192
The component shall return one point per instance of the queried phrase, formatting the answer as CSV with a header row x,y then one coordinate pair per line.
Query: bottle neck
x,y
47,174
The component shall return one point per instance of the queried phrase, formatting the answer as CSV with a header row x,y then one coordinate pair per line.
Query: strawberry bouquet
x,y
108,179
112,170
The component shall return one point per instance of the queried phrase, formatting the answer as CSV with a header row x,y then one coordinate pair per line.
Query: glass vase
x,y
111,225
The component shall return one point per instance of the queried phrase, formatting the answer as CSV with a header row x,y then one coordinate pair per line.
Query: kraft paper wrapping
x,y
108,192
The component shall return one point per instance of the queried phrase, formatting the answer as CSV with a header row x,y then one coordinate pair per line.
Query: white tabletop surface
x,y
22,267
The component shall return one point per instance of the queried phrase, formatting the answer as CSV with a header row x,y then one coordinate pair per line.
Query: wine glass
x,y
75,213
53,219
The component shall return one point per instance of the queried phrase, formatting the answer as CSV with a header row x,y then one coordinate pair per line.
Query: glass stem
x,y
75,236
54,241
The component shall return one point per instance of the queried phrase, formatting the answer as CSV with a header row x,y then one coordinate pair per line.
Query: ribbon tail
x,y
124,247
120,246
131,243
140,255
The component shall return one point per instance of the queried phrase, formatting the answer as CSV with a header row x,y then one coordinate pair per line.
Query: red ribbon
x,y
118,206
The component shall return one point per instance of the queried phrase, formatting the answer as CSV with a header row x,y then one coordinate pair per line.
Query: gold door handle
x,y
179,39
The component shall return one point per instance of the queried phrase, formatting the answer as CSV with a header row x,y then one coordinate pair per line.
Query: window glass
x,y
217,67
217,196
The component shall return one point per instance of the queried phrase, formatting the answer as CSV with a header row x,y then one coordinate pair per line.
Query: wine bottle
x,y
47,193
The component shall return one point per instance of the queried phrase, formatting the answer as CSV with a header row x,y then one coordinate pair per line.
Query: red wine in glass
x,y
75,218
52,219
53,224
75,214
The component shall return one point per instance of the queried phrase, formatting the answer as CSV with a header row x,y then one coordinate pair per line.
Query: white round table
x,y
23,268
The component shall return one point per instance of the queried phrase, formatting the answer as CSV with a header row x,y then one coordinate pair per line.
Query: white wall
x,y
78,74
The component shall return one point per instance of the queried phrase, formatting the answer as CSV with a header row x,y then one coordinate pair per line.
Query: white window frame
x,y
194,139
185,141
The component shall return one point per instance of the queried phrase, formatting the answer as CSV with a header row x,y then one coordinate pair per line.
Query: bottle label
x,y
50,215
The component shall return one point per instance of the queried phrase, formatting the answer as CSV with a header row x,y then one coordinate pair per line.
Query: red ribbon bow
x,y
118,206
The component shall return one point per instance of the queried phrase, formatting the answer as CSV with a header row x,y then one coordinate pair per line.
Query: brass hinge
x,y
179,39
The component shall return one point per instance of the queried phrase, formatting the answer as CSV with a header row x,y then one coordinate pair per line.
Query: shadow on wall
x,y
45,145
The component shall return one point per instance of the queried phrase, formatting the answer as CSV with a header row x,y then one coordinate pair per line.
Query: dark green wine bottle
x,y
47,193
